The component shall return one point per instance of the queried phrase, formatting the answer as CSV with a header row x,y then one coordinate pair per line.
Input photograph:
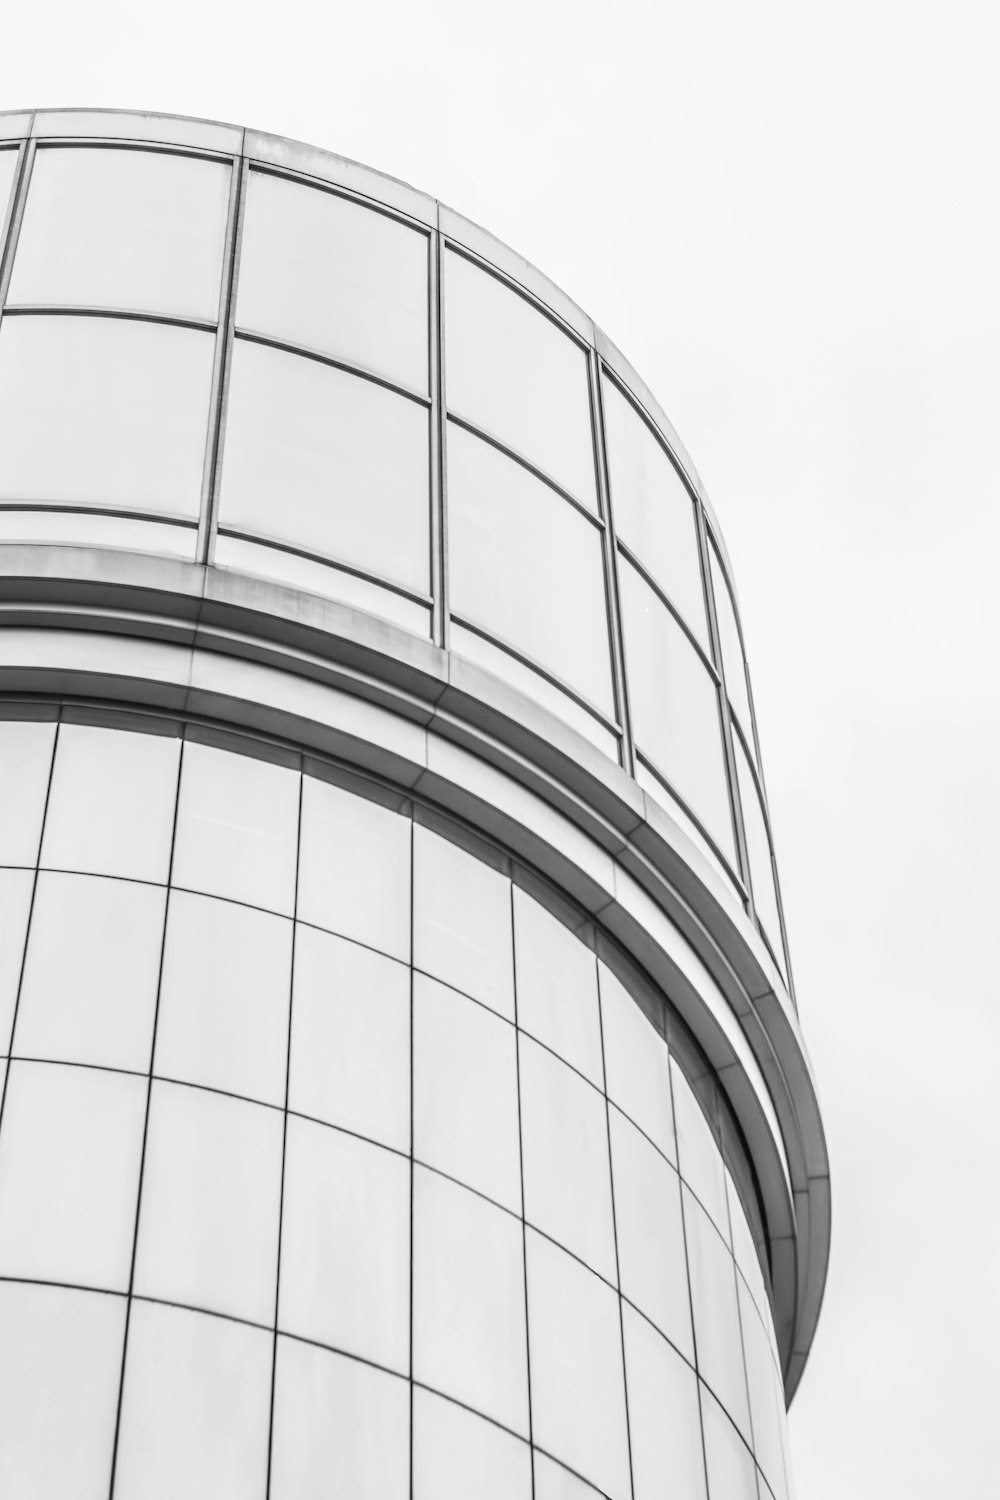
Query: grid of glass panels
x,y
267,373
333,1163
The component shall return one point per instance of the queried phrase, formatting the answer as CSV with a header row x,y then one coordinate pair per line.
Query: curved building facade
x,y
404,1096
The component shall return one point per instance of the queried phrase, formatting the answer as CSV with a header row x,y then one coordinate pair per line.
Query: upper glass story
x,y
220,347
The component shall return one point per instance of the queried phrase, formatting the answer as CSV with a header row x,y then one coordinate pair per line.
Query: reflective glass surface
x,y
129,401
462,922
675,706
716,1314
328,462
324,272
733,662
700,1158
87,529
16,888
140,230
527,567
25,766
636,1063
653,510
765,897
728,1460
556,987
8,171
456,1455
513,372
663,1414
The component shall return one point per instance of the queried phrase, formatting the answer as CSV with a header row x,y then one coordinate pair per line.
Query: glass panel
x,y
733,661
650,1230
557,987
731,1471
767,1406
567,1182
462,921
320,578
664,1421
653,510
25,762
132,229
237,827
637,1063
345,1244
499,661
195,1407
340,1428
223,1019
675,706
701,1163
654,786
128,400
321,271
208,1231
745,1255
716,1317
354,868
469,1336
512,371
350,1062
527,567
577,1385
8,171
15,904
111,808
553,1482
60,1368
465,1092
765,897
457,1455
70,1151
328,462
86,530
90,978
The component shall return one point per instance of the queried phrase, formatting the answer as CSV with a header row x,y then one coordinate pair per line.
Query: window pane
x,y
111,808
553,1482
637,1063
664,1421
25,761
527,567
465,1092
340,1428
701,1163
93,964
237,826
15,903
557,987
731,1472
512,371
567,1184
675,706
87,529
132,229
60,1367
654,513
8,171
457,1455
350,1062
327,273
354,868
577,1386
462,922
223,1019
208,1232
345,1245
650,1231
328,462
70,1150
765,897
195,1407
129,401
733,661
469,1335
746,1257
767,1404
716,1319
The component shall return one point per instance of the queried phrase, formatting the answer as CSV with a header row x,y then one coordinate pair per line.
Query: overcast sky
x,y
786,215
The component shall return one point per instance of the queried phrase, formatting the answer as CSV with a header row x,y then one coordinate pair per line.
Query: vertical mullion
x,y
735,801
222,363
15,214
442,597
520,1158
436,436
412,1149
611,569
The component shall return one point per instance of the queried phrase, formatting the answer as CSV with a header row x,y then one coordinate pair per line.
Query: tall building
x,y
404,1093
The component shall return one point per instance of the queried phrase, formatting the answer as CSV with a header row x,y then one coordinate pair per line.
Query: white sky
x,y
787,217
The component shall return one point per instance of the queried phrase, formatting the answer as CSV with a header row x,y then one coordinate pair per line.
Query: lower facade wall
x,y
335,1161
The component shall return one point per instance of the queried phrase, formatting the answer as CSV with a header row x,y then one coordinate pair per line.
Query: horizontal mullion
x,y
133,143
261,540
269,341
525,463
657,588
123,314
65,507
338,190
